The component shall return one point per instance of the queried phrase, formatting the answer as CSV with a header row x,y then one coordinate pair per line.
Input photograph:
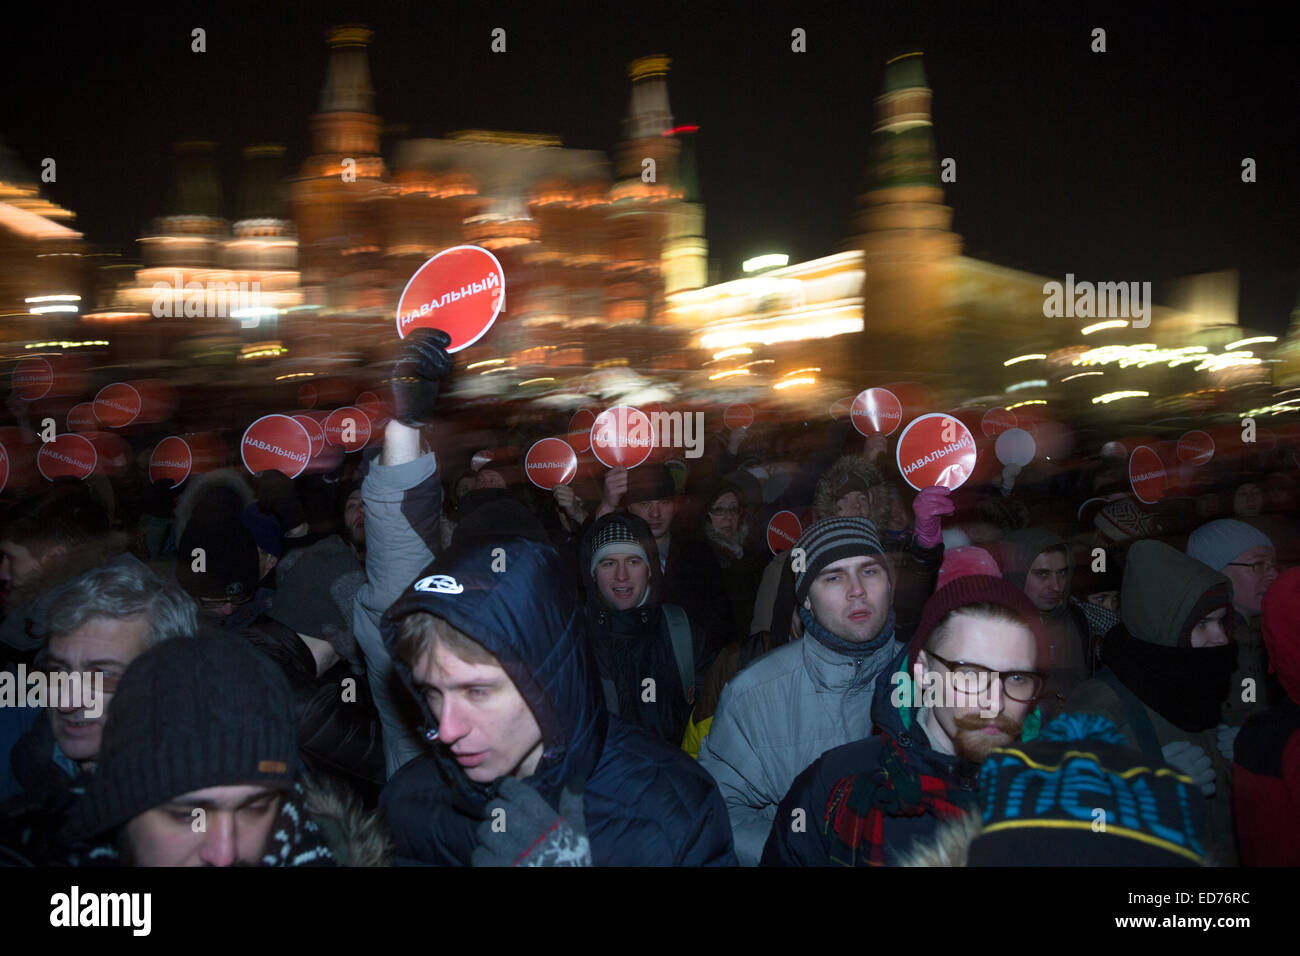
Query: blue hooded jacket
x,y
645,802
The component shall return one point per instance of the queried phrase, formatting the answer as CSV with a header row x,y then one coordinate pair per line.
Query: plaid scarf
x,y
858,806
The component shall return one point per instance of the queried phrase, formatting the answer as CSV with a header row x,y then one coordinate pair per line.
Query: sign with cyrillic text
x,y
935,449
460,290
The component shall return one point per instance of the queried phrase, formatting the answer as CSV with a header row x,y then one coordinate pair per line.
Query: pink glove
x,y
929,506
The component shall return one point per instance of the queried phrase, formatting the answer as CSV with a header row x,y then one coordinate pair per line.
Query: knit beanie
x,y
229,553
315,587
264,529
1221,542
1122,521
979,589
830,540
189,714
959,562
1041,800
615,538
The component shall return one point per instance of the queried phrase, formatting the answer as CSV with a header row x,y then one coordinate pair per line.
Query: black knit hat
x,y
650,483
190,713
831,540
315,587
229,560
1077,796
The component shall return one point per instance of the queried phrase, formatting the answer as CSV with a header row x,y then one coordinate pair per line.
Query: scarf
x,y
860,805
1184,685
629,646
813,627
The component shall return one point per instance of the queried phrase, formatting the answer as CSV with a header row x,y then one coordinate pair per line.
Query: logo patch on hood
x,y
439,584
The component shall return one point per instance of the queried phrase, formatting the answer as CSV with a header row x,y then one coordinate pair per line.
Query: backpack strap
x,y
1135,711
679,632
611,695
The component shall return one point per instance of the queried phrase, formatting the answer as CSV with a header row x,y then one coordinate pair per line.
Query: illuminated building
x,y
41,258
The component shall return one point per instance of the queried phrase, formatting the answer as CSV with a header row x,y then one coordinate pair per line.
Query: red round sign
x,y
81,418
33,378
314,432
998,420
348,428
580,430
550,462
783,531
935,449
738,416
1146,473
117,405
171,461
275,443
1196,447
460,290
622,435
876,411
67,456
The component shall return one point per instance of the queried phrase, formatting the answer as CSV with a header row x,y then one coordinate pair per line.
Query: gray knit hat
x,y
1219,543
831,540
211,711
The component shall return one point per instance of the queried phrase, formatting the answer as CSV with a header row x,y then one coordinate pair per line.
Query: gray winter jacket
x,y
775,718
403,504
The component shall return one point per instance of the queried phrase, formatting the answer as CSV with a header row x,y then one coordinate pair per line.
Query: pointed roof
x,y
347,86
648,112
259,184
902,143
196,188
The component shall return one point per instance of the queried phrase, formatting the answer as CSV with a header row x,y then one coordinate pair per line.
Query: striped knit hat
x,y
831,540
615,538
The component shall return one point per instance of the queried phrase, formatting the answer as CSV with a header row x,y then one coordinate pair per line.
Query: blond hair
x,y
418,634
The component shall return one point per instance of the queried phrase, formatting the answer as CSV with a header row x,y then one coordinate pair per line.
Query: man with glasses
x,y
966,684
1247,558
100,623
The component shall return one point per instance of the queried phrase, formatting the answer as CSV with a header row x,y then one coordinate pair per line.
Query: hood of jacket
x,y
846,468
1165,593
201,486
1281,630
1021,548
527,616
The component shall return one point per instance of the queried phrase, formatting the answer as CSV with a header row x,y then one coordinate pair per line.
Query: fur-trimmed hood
x,y
201,485
845,468
356,837
950,845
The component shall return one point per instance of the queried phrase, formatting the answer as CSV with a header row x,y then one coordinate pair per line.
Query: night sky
x,y
1115,166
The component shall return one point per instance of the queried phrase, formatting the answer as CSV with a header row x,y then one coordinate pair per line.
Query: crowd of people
x,y
403,661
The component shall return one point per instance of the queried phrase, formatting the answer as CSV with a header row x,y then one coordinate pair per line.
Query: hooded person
x,y
1266,756
633,635
1166,670
791,705
1040,564
1040,803
866,803
513,721
1246,556
308,633
217,559
205,729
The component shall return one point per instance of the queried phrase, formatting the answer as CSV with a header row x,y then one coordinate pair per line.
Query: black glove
x,y
424,363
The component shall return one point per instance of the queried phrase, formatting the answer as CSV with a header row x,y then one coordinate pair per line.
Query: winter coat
x,y
645,802
693,581
1163,596
811,845
776,717
32,821
403,504
336,736
631,645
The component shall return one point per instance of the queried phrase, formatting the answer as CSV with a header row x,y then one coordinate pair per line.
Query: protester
x,y
100,623
1166,672
967,682
1266,759
495,660
199,767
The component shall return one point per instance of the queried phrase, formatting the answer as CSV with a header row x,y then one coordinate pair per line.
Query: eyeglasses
x,y
724,512
1261,568
1022,686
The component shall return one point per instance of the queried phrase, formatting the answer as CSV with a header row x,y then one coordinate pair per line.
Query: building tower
x,y
904,228
333,195
686,250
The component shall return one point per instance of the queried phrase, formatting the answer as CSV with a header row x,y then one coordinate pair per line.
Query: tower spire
x,y
347,86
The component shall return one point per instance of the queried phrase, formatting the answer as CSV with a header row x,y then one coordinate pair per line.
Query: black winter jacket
x,y
645,802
